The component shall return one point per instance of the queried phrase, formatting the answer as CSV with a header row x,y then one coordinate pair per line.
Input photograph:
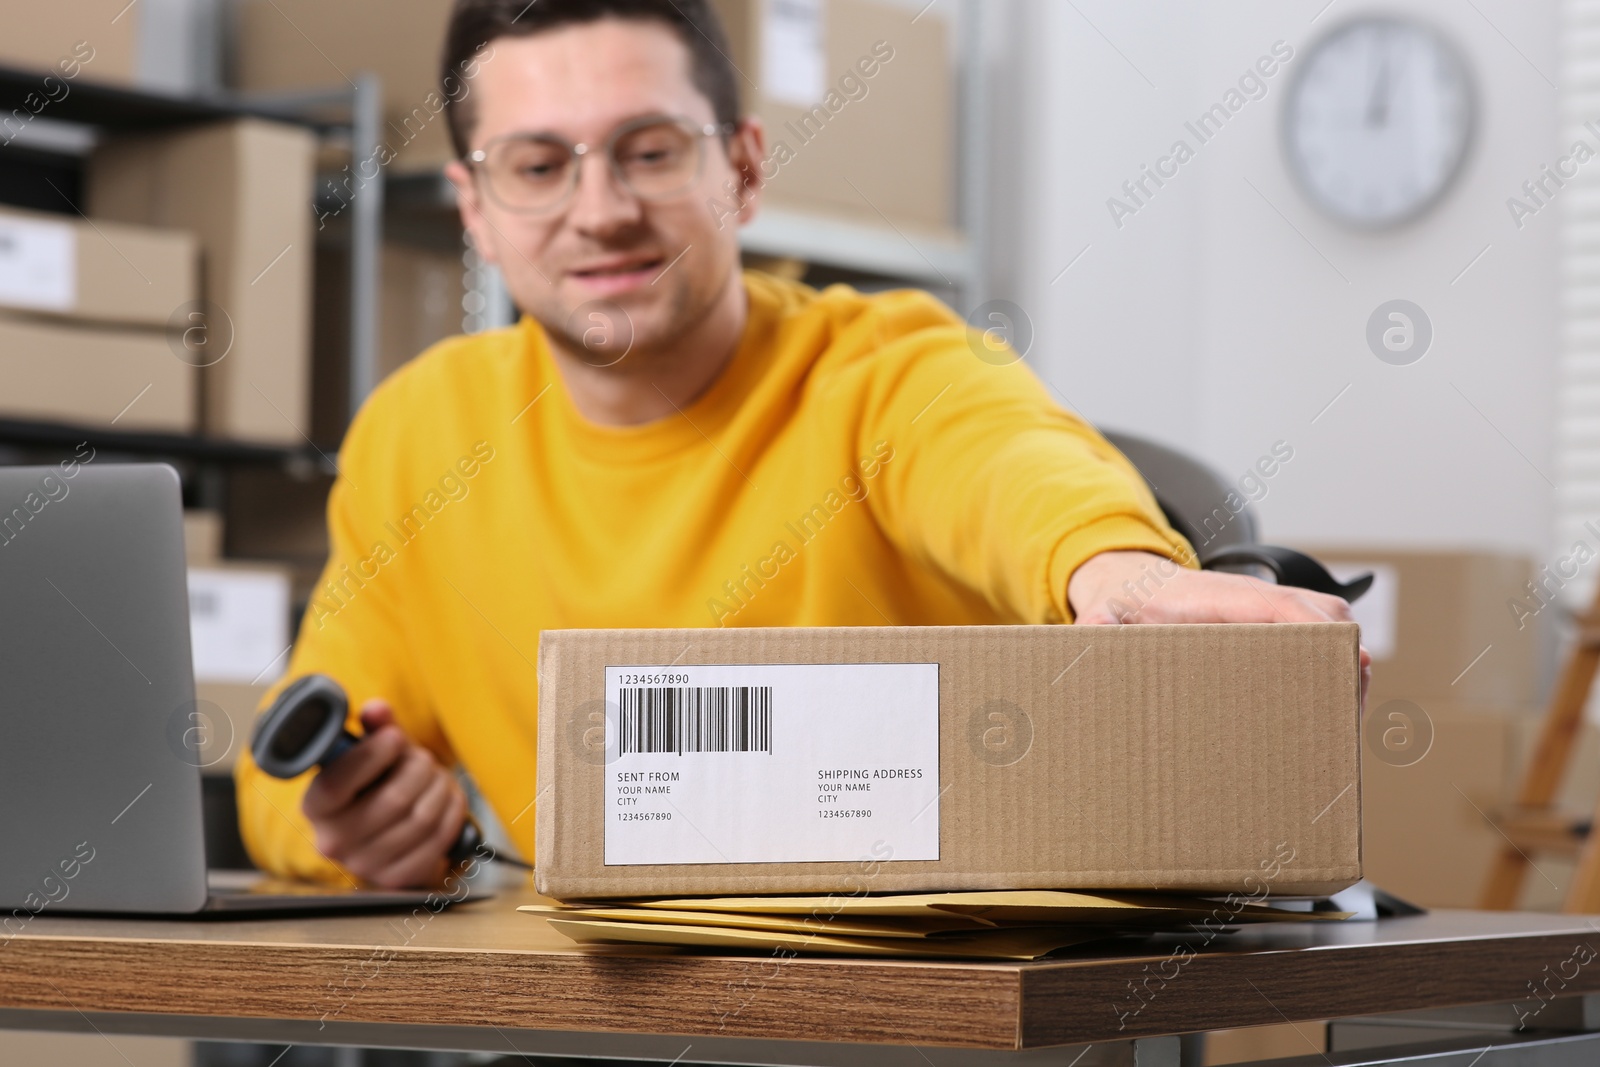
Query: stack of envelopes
x,y
1013,925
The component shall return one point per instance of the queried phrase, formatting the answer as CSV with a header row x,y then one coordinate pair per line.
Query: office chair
x,y
1194,499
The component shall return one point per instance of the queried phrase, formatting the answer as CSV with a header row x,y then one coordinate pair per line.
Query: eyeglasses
x,y
654,158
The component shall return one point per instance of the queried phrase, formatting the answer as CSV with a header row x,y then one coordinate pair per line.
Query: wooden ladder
x,y
1535,825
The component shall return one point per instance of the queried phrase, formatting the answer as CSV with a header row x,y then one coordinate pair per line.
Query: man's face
x,y
606,270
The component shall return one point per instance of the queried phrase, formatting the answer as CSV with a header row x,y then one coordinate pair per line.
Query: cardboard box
x,y
227,715
891,134
95,376
244,189
1197,758
100,36
202,536
858,102
1440,626
1433,773
305,44
29,1049
1544,887
420,304
239,622
423,289
100,272
274,515
1252,1043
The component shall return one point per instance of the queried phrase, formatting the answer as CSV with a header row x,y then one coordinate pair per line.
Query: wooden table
x,y
480,976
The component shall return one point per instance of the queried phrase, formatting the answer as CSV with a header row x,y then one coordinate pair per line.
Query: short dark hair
x,y
474,24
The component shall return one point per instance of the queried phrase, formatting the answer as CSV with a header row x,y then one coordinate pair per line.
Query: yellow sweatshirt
x,y
856,464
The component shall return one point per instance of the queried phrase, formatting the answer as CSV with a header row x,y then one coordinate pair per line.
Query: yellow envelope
x,y
1031,906
1021,944
844,927
1049,905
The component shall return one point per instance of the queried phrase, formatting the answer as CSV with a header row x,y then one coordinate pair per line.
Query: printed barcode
x,y
695,719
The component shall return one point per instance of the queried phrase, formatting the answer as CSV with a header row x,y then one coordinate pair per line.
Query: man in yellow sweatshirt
x,y
665,440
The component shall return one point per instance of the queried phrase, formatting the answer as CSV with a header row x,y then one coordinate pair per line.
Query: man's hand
x,y
385,809
1135,587
1132,587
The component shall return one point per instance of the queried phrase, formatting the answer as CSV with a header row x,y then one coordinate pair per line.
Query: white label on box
x,y
794,55
238,625
772,763
38,264
1377,613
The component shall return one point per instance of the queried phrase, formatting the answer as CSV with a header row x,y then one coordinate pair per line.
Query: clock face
x,y
1378,121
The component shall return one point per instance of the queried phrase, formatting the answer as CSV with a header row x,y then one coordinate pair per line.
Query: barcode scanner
x,y
304,728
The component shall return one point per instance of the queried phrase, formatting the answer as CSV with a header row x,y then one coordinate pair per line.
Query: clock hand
x,y
1378,104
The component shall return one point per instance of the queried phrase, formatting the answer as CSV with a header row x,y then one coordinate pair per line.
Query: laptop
x,y
99,768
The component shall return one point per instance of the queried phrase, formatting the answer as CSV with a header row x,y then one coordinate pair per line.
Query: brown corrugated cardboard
x,y
859,111
1202,758
99,36
883,140
1440,623
29,1049
420,304
422,294
96,271
1432,773
202,536
244,189
126,379
228,711
273,514
1254,1043
301,44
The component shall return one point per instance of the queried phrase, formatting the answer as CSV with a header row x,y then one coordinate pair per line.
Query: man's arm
x,y
993,482
1023,500
378,812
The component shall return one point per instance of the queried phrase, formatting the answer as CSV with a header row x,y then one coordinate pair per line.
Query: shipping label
x,y
771,763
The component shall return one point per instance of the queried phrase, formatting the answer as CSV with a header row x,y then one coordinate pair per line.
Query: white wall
x,y
1207,321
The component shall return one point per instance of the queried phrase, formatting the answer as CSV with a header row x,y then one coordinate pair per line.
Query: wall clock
x,y
1378,121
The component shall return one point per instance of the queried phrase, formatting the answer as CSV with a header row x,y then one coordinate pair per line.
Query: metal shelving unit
x,y
353,115
951,261
924,259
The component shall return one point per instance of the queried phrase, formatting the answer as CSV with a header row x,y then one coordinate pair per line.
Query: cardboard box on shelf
x,y
61,265
300,44
202,536
423,289
23,1048
274,515
239,621
1252,1043
858,102
244,189
97,38
1440,623
859,95
227,715
128,379
420,304
1433,773
1203,758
